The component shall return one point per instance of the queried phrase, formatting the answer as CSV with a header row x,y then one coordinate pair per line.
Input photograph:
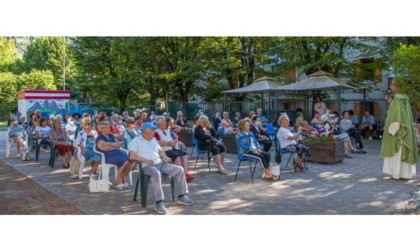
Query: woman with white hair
x,y
227,123
167,142
288,140
180,120
86,140
58,136
71,129
18,134
206,139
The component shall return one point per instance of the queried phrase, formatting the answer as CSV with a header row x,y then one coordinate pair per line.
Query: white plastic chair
x,y
104,171
81,159
9,142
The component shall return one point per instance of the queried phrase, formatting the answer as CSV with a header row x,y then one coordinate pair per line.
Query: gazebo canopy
x,y
259,85
321,81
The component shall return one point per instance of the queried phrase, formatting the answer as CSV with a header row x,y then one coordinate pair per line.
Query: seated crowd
x,y
155,141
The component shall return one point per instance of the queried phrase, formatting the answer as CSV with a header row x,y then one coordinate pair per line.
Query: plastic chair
x,y
270,130
38,147
193,143
285,151
143,181
241,158
201,152
53,155
81,159
105,167
292,155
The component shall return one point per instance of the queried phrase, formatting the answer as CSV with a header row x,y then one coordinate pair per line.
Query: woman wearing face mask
x,y
17,133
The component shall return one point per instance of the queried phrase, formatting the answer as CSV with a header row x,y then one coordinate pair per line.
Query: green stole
x,y
400,111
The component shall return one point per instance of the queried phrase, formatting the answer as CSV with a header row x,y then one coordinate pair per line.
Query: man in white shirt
x,y
146,149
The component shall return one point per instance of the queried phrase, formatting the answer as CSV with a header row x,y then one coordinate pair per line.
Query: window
x,y
290,75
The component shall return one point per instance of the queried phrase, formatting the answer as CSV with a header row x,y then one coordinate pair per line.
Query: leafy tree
x,y
107,68
323,53
36,79
8,57
237,61
407,68
7,94
48,53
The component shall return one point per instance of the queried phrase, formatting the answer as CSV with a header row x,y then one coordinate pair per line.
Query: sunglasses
x,y
88,124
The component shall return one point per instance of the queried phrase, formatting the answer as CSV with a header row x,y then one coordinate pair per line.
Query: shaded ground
x,y
19,195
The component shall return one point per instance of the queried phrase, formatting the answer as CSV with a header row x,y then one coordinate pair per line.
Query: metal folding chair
x,y
245,158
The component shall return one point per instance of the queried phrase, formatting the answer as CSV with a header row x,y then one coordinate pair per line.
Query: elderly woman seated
x,y
288,140
86,140
168,144
107,144
333,130
227,123
250,147
130,131
306,128
206,139
18,134
180,120
318,124
58,136
259,133
41,132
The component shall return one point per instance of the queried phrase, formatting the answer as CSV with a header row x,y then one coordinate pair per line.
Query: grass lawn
x,y
3,124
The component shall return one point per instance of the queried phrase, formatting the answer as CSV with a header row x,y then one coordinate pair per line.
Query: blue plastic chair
x,y
285,151
270,130
245,158
193,143
201,152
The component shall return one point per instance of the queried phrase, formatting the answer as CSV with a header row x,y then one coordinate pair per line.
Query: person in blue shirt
x,y
249,147
22,122
17,133
368,124
216,119
107,144
262,118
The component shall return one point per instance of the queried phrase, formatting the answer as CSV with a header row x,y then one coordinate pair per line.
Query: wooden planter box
x,y
186,138
230,143
326,152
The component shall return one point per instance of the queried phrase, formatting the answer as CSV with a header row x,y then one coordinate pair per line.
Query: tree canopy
x,y
407,69
126,71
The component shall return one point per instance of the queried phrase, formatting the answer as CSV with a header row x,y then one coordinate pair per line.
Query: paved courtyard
x,y
355,186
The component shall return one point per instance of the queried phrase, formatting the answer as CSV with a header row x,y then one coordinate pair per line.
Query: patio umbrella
x,y
262,85
322,81
259,85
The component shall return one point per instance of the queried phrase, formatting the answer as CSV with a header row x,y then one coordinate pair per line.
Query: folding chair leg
x,y
253,171
196,160
237,170
208,160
